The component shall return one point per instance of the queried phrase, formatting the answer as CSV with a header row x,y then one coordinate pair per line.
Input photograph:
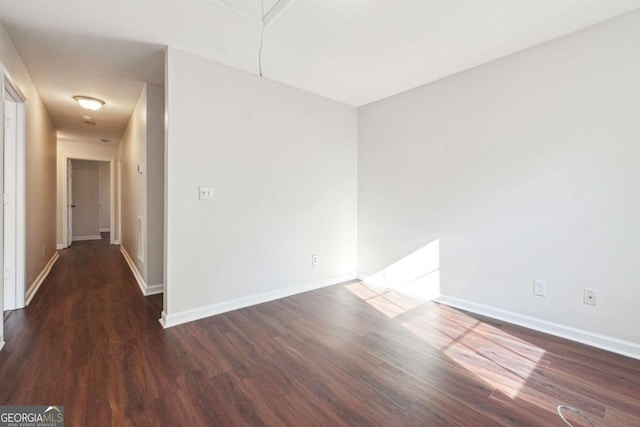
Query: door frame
x,y
8,84
113,239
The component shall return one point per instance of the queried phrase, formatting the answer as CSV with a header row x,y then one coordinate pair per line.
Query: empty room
x,y
324,213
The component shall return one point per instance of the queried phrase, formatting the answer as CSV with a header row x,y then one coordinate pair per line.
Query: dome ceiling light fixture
x,y
89,102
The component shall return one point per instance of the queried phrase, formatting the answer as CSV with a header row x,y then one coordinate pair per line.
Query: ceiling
x,y
353,51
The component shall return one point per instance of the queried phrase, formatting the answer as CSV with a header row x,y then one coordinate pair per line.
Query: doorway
x,y
13,195
88,190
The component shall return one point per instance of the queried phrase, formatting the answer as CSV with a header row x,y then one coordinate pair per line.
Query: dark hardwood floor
x,y
343,355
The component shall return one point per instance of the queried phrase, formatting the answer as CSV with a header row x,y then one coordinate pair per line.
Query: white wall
x,y
86,198
142,156
80,150
133,153
525,168
155,184
283,166
40,168
105,196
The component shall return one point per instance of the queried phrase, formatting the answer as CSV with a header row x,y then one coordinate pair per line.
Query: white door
x,y
9,202
70,204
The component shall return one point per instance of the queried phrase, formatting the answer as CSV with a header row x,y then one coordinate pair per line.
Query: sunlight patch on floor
x,y
497,358
386,301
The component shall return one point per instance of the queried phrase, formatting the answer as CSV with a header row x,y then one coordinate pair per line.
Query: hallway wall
x,y
142,157
40,167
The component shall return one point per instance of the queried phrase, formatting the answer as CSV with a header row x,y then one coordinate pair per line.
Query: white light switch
x,y
206,193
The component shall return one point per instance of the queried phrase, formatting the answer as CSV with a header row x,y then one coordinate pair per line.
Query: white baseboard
x,y
105,230
59,246
80,238
604,342
185,316
1,345
146,289
38,282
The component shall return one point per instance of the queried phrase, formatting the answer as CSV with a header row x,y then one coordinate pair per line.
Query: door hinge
x,y
7,123
7,275
6,199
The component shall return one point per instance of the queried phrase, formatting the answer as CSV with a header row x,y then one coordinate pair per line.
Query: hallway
x,y
86,323
74,344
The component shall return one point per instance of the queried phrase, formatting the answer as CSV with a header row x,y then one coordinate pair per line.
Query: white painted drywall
x,y
79,150
133,155
40,160
142,156
86,199
105,196
282,163
524,168
155,184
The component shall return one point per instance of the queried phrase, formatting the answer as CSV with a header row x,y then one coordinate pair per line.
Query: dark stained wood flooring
x,y
343,355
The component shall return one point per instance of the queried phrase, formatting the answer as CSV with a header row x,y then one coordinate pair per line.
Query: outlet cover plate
x,y
540,288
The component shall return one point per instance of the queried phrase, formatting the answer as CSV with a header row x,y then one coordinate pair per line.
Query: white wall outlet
x,y
140,169
314,259
540,288
590,297
206,193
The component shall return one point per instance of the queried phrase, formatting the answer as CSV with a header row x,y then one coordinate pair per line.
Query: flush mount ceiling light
x,y
88,102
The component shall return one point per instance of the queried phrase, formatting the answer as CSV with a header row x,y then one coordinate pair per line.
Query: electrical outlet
x,y
206,193
540,288
590,297
314,259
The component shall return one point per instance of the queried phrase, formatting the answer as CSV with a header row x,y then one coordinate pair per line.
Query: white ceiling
x,y
353,51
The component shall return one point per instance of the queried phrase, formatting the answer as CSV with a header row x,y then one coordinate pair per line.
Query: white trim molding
x,y
1,345
105,230
40,279
604,342
185,316
81,238
144,288
59,246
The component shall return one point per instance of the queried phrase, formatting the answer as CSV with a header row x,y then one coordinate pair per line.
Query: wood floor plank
x,y
343,355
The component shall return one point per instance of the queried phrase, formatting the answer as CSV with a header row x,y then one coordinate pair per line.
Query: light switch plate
x,y
206,193
590,297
